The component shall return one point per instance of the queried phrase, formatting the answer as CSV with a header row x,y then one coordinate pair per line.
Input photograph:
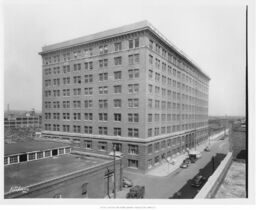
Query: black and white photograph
x,y
128,102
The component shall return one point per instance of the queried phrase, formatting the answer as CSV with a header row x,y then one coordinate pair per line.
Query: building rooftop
x,y
35,172
30,146
15,114
138,26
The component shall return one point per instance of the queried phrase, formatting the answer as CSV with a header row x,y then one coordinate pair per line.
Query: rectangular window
x,y
88,116
13,159
150,132
130,44
118,46
118,75
133,132
117,103
150,149
117,132
103,76
133,149
32,156
133,103
133,163
117,89
103,90
103,117
103,103
133,117
88,78
76,128
47,153
102,146
88,144
67,150
88,104
134,59
118,60
88,129
117,117
40,155
5,160
150,117
133,88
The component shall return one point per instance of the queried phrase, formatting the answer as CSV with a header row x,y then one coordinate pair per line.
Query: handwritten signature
x,y
18,189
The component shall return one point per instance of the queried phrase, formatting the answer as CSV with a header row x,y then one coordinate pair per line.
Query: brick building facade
x,y
129,87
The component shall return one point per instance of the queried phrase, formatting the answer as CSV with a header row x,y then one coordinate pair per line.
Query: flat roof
x,y
138,26
33,172
31,146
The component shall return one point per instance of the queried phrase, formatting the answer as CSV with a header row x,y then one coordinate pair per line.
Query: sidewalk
x,y
165,169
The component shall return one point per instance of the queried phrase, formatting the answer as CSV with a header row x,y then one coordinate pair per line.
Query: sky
x,y
212,33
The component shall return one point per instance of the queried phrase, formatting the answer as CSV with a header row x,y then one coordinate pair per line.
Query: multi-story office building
x,y
128,87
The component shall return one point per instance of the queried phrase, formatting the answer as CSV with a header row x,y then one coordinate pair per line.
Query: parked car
x,y
207,149
184,165
187,161
192,160
198,181
127,182
176,195
136,192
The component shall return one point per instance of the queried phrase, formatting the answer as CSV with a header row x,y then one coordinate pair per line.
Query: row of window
x,y
132,132
35,155
102,130
170,57
132,88
117,103
132,73
174,128
86,52
183,86
132,117
133,59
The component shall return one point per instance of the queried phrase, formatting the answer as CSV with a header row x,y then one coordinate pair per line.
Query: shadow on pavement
x,y
187,191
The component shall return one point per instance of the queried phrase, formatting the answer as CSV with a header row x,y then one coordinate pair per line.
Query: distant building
x,y
49,170
22,120
127,87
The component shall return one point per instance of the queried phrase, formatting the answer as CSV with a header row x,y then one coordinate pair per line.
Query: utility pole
x,y
114,150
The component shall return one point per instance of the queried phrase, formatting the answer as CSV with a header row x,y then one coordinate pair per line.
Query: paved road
x,y
164,187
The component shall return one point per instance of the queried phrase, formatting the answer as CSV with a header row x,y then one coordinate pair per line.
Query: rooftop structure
x,y
67,176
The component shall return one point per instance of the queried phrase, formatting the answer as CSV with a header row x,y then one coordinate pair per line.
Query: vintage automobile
x,y
127,182
198,181
136,192
207,149
184,165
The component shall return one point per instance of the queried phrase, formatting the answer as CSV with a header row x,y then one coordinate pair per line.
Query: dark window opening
x,y
54,152
23,158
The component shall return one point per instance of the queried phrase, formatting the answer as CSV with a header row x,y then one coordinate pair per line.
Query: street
x,y
164,187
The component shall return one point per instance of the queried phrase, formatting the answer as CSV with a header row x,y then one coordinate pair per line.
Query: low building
x,y
17,153
22,119
60,175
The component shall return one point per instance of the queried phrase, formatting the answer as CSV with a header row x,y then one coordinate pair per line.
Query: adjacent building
x,y
22,120
127,87
48,169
